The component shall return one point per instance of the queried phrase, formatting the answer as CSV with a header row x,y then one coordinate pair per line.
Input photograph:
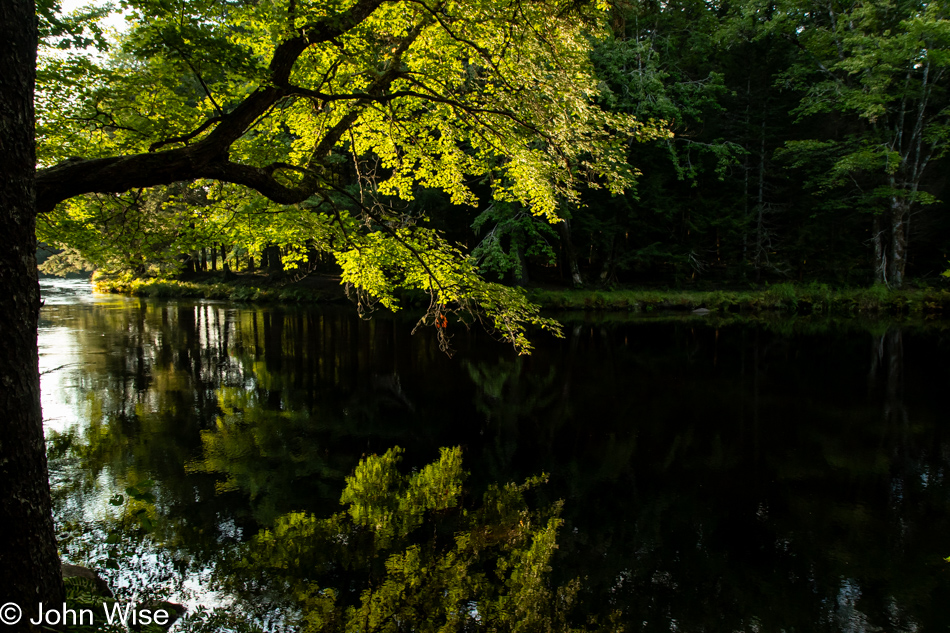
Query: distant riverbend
x,y
785,298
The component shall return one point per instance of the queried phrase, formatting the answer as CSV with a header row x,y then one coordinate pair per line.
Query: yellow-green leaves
x,y
405,552
392,505
383,263
306,103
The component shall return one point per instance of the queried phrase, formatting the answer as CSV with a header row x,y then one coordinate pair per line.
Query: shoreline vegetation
x,y
788,298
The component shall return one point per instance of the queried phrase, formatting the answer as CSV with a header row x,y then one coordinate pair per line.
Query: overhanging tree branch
x,y
209,157
185,137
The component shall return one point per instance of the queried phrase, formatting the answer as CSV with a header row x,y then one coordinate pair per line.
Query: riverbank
x,y
246,287
788,298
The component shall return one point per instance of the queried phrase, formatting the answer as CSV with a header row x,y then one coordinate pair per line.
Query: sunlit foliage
x,y
409,551
331,112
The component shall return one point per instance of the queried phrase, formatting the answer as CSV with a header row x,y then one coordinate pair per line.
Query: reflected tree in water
x,y
410,554
512,401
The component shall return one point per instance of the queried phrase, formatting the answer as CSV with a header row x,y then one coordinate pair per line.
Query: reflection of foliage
x,y
508,396
259,449
373,566
507,391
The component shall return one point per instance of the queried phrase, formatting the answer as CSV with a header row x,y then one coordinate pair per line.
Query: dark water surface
x,y
714,479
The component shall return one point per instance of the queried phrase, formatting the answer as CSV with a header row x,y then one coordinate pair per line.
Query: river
x,y
708,476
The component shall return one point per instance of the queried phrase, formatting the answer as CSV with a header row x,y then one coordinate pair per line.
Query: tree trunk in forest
x,y
890,244
880,261
224,260
898,243
313,256
760,209
570,254
214,257
607,272
28,557
746,209
271,260
746,215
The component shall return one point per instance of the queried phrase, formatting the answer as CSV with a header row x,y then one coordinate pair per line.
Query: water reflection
x,y
714,479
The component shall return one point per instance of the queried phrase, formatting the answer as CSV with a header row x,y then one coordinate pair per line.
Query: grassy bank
x,y
785,298
246,288
788,298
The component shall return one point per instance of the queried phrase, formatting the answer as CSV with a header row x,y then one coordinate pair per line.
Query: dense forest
x,y
793,141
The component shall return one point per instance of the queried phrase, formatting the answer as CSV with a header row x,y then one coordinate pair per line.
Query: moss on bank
x,y
784,298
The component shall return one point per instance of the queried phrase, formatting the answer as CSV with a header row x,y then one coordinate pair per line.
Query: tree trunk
x,y
570,254
271,260
28,558
607,272
214,257
880,262
224,260
898,244
746,168
760,209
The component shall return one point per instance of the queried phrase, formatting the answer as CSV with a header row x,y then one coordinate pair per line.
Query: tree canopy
x,y
788,141
334,115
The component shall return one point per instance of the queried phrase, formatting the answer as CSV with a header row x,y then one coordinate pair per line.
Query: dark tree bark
x,y
28,558
880,262
898,246
271,260
570,253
